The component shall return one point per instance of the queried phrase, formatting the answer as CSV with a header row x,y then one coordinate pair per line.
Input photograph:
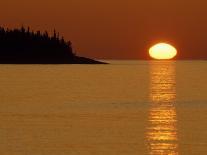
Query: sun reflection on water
x,y
162,131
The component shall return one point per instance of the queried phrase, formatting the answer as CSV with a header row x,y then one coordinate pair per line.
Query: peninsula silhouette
x,y
23,46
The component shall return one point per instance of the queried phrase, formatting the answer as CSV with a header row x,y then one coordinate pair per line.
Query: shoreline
x,y
74,60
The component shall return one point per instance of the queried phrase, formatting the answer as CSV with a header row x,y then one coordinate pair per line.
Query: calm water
x,y
126,108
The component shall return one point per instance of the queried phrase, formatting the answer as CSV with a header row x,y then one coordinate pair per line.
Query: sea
x,y
123,108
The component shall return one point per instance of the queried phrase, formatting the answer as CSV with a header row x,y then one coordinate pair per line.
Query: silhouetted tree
x,y
18,44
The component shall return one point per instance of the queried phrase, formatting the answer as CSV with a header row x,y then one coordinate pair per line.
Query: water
x,y
125,108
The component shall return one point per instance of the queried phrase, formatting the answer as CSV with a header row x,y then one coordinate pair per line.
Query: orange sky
x,y
116,28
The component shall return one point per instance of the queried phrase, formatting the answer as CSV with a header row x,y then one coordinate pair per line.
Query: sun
x,y
162,51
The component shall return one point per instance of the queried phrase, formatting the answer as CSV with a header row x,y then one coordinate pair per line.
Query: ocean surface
x,y
124,108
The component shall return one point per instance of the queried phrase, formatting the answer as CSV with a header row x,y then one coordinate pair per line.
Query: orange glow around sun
x,y
162,51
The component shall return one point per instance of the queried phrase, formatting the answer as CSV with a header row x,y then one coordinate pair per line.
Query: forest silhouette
x,y
23,46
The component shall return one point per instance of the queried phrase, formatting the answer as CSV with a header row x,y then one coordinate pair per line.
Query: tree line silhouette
x,y
23,46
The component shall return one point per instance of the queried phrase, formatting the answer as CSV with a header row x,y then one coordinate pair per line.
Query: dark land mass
x,y
22,46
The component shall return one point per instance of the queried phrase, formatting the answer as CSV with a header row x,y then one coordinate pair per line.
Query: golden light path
x,y
162,51
162,121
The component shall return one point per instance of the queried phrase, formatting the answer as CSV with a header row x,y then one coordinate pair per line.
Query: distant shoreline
x,y
75,60
23,46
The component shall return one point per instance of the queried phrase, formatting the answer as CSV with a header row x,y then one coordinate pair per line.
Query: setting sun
x,y
162,51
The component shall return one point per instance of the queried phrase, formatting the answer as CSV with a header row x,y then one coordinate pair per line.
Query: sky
x,y
116,29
